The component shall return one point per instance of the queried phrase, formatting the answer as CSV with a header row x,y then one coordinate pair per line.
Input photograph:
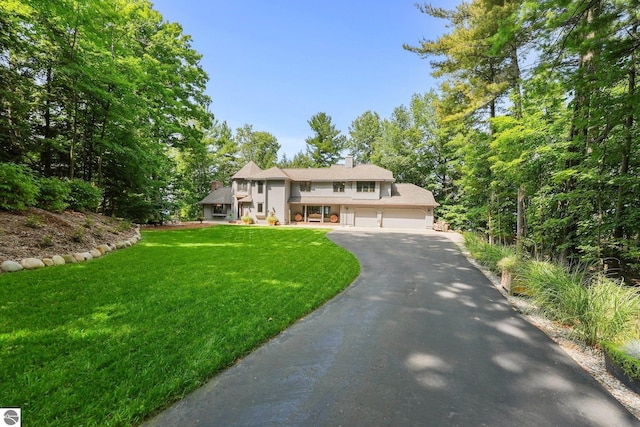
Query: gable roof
x,y
332,173
271,173
219,196
411,194
401,195
341,173
247,171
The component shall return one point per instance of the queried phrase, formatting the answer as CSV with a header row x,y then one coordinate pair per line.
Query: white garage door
x,y
404,218
366,217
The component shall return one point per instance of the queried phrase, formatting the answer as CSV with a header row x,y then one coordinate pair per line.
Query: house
x,y
218,204
345,194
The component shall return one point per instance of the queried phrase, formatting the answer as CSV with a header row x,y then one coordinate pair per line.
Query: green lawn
x,y
113,340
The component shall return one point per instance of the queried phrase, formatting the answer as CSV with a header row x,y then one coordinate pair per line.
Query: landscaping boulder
x,y
58,260
10,266
120,244
31,263
48,262
69,258
87,255
78,257
95,253
104,249
127,244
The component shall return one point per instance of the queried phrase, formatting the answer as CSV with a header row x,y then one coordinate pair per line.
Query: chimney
x,y
215,185
348,162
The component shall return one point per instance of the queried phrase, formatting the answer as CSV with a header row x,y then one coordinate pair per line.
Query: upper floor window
x,y
366,186
338,187
260,207
242,186
260,187
305,186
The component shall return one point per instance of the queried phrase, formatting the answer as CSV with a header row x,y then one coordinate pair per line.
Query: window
x,y
305,186
326,212
242,186
260,187
366,186
218,209
260,207
338,187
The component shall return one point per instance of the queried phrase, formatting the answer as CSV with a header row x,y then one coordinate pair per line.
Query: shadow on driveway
x,y
420,338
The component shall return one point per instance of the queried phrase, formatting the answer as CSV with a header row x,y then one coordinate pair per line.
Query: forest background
x,y
544,156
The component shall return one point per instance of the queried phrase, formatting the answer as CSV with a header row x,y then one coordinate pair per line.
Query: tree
x,y
102,92
257,146
364,133
325,147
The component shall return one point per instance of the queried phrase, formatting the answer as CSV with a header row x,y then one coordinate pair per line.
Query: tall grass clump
x,y
559,293
611,311
597,308
485,253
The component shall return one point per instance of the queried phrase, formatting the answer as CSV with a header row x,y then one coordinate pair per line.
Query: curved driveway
x,y
421,338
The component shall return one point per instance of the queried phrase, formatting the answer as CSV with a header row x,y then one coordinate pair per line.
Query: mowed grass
x,y
114,340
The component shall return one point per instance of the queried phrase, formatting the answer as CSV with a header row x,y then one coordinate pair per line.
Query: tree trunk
x,y
618,232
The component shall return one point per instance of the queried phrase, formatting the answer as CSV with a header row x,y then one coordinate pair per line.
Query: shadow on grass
x,y
111,340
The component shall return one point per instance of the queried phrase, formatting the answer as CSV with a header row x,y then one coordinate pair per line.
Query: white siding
x,y
366,217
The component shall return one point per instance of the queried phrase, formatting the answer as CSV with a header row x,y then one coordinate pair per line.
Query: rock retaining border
x,y
10,266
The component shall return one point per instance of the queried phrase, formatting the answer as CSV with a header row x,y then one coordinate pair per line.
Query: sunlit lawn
x,y
113,340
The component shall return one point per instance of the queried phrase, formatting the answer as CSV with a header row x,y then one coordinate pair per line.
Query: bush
x,y
18,188
83,196
78,235
34,221
247,219
53,194
272,219
629,363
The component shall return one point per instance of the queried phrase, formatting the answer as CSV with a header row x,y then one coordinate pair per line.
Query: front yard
x,y
114,340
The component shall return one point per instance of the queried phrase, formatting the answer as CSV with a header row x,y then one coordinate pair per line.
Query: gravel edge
x,y
589,358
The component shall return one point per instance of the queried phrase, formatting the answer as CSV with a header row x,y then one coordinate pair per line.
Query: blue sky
x,y
274,64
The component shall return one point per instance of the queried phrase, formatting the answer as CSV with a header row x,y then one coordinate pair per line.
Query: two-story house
x,y
345,194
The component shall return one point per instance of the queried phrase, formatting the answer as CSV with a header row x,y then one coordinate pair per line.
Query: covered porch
x,y
315,213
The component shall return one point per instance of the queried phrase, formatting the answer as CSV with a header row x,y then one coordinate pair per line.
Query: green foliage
x,y
325,146
599,309
79,336
562,295
364,133
18,187
53,194
34,221
83,196
485,253
612,310
550,155
78,235
46,241
123,225
619,355
257,146
98,92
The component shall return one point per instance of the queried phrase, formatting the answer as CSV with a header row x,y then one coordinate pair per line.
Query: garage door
x,y
366,217
404,218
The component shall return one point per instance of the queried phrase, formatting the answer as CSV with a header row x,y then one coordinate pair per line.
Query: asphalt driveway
x,y
421,338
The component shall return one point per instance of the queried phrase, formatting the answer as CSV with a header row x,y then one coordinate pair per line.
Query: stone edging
x,y
70,258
